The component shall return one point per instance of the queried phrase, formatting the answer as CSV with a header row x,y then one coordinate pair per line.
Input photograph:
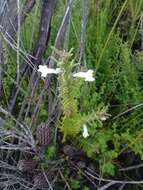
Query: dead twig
x,y
13,25
83,30
107,185
115,181
131,167
40,47
1,69
64,179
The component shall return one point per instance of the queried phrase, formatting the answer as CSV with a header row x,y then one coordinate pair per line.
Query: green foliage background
x,y
113,50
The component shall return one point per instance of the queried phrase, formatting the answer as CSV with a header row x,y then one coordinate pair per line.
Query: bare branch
x,y
12,27
83,30
44,30
18,40
66,38
107,185
40,47
1,69
63,27
114,181
131,167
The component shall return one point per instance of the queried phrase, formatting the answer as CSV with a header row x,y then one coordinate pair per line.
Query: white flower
x,y
44,70
85,131
103,118
88,76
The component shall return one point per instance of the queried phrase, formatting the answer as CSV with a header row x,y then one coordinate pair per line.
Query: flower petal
x,y
44,70
85,131
90,79
88,75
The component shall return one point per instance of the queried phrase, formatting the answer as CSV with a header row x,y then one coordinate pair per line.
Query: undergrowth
x,y
113,50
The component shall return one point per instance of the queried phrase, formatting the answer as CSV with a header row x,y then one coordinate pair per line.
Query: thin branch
x,y
131,167
83,30
27,7
22,131
47,179
64,179
40,47
115,181
128,110
122,187
1,69
107,185
66,36
61,32
57,44
18,40
44,30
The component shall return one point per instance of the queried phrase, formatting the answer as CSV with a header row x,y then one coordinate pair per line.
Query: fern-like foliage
x,y
73,119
